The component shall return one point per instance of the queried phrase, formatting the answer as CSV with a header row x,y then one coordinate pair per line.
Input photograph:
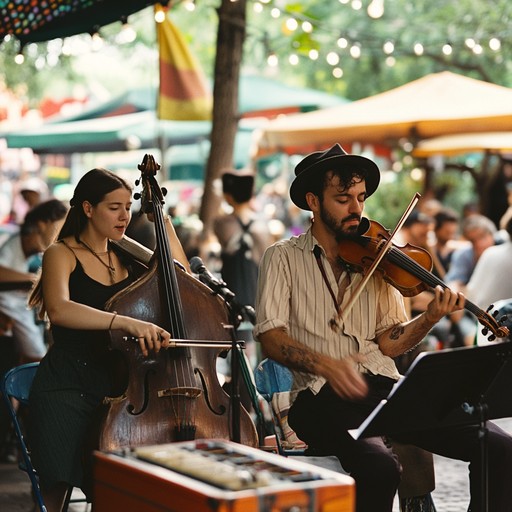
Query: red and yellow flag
x,y
184,94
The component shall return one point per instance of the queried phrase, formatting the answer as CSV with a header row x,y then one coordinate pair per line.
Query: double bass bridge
x,y
182,391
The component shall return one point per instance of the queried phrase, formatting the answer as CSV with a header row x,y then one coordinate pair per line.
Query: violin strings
x,y
426,276
409,264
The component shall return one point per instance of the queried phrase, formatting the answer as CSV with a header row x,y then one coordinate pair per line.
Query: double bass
x,y
174,395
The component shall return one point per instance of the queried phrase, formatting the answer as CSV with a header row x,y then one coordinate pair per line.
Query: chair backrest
x,y
18,380
16,384
272,377
274,382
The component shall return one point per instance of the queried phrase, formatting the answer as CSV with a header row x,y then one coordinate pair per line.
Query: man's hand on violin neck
x,y
444,302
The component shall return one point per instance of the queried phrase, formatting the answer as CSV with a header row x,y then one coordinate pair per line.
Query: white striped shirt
x,y
293,296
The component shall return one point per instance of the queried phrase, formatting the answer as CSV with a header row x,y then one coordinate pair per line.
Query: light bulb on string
x,y
272,60
477,49
494,44
376,9
418,49
342,42
332,58
307,27
355,51
389,47
293,59
313,54
447,49
337,72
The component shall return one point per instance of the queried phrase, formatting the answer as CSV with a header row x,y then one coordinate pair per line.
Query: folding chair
x,y
273,379
16,384
274,382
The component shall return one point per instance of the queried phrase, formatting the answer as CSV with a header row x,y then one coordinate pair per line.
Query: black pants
x,y
323,421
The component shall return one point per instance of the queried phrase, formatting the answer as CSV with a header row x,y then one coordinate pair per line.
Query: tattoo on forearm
x,y
396,332
299,359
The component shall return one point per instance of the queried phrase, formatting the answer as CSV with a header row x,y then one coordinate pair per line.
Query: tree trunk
x,y
230,40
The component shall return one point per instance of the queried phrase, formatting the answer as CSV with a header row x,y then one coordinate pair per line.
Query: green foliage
x,y
391,199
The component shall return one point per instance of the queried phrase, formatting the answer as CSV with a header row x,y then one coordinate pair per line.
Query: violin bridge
x,y
187,392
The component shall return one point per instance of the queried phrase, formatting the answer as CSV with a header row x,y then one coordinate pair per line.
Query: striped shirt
x,y
292,295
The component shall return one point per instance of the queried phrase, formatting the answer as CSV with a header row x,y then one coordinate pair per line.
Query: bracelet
x,y
112,321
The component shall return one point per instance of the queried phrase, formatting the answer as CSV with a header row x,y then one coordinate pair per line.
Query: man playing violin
x,y
343,364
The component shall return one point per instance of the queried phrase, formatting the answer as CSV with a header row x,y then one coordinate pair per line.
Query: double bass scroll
x,y
174,395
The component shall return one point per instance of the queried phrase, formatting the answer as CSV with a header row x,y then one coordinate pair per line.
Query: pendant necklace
x,y
110,267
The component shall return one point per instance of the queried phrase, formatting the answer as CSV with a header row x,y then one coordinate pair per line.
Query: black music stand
x,y
448,388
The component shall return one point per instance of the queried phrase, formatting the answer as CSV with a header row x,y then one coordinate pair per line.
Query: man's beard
x,y
336,226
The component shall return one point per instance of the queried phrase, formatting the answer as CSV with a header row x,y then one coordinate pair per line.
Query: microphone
x,y
205,276
220,287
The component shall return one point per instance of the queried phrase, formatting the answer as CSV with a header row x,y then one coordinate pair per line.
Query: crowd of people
x,y
279,257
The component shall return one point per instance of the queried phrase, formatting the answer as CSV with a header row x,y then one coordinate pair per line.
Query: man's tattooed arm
x,y
278,345
301,359
404,337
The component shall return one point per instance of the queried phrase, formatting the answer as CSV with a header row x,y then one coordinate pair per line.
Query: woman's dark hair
x,y
92,187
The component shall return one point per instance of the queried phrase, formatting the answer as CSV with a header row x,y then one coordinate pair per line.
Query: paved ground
x,y
451,494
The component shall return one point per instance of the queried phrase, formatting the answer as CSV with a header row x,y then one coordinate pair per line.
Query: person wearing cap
x,y
342,370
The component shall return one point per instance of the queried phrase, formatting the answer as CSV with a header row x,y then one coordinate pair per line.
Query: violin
x,y
407,268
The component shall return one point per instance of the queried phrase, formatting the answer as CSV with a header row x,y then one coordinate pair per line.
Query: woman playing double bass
x,y
80,272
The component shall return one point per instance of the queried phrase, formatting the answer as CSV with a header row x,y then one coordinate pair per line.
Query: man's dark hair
x,y
346,181
47,211
444,216
239,185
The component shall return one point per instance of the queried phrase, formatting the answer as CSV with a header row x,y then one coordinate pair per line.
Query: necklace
x,y
110,267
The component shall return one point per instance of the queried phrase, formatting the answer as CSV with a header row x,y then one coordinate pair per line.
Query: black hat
x,y
307,171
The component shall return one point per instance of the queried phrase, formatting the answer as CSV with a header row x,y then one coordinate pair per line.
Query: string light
x,y
494,44
332,58
418,49
272,60
337,72
447,49
376,9
388,47
293,59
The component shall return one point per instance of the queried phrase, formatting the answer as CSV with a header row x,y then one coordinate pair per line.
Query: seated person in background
x,y
490,280
446,231
480,231
38,230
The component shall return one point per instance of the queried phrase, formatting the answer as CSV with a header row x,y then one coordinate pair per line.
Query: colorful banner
x,y
184,93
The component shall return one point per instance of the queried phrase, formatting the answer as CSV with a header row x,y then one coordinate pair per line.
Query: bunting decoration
x,y
183,94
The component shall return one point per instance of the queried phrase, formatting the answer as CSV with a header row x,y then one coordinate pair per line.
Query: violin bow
x,y
384,249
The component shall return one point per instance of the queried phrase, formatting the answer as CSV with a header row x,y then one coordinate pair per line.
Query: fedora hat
x,y
311,169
